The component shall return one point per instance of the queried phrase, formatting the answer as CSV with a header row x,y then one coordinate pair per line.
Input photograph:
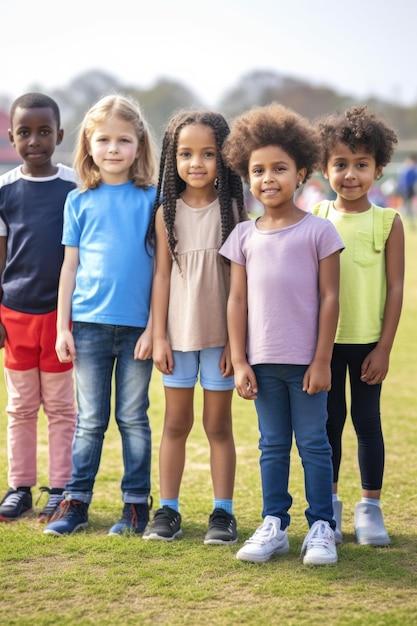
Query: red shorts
x,y
30,341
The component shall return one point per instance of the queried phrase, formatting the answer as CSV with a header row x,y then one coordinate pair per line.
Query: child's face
x,y
114,146
351,174
273,176
35,134
197,156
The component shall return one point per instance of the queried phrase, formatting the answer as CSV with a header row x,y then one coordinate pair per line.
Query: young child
x,y
105,288
202,201
357,145
282,316
32,200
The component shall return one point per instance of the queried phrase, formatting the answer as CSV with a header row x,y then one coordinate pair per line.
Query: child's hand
x,y
245,382
317,377
225,363
64,347
375,366
162,356
2,335
143,347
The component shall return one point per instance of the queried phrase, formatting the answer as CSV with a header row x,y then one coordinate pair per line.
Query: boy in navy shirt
x,y
32,200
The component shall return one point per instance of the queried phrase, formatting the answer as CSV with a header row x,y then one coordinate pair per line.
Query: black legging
x,y
365,411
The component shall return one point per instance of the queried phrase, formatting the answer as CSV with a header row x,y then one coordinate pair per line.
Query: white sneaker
x,y
268,539
319,545
369,525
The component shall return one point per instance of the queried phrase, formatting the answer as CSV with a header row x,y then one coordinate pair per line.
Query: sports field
x,y
89,578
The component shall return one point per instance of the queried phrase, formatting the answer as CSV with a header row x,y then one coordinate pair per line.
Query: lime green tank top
x,y
362,270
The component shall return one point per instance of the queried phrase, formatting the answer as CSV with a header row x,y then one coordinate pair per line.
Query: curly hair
x,y
272,125
143,169
357,128
35,100
170,185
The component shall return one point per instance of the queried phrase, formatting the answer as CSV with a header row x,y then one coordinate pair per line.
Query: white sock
x,y
371,501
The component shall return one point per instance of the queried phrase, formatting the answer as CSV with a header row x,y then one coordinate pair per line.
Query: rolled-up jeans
x,y
102,349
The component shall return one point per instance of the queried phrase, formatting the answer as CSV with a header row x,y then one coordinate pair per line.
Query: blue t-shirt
x,y
31,217
108,225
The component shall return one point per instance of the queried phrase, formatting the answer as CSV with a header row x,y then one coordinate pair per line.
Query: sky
x,y
356,47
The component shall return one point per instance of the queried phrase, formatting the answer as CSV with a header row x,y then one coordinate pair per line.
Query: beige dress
x,y
200,287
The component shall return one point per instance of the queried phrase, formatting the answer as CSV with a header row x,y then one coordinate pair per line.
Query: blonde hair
x,y
143,170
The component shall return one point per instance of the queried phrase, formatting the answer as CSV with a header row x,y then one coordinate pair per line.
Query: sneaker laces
x,y
65,507
42,491
13,498
53,500
264,533
318,536
130,511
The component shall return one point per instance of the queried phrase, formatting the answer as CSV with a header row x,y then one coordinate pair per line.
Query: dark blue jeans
x,y
365,411
283,409
102,348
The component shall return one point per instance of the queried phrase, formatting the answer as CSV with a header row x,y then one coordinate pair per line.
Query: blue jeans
x,y
283,409
102,348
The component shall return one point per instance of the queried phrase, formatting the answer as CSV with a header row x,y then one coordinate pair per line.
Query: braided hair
x,y
170,185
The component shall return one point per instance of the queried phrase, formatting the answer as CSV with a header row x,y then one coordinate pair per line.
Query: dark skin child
x,y
34,133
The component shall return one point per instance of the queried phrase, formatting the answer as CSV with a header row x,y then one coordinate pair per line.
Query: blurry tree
x,y
256,88
77,98
157,103
259,88
160,102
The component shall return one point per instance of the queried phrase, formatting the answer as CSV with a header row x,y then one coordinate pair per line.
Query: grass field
x,y
89,578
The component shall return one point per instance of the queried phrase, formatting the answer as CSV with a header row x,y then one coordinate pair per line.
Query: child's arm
x,y
143,347
225,364
162,353
375,365
237,324
3,254
64,345
318,376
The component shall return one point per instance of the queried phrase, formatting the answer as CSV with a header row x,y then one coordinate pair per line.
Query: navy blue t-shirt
x,y
31,214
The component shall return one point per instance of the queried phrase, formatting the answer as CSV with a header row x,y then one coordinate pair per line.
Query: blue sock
x,y
335,497
371,501
226,505
173,504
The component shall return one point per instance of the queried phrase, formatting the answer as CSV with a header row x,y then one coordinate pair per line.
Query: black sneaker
x,y
166,525
135,518
221,529
15,504
56,495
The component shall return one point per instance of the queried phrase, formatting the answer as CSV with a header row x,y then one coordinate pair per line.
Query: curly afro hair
x,y
357,128
274,125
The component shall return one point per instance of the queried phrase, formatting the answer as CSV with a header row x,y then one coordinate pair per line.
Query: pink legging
x,y
27,391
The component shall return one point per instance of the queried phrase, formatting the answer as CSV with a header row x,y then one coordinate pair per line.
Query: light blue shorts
x,y
188,364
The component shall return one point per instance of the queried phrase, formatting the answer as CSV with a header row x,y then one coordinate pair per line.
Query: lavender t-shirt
x,y
283,294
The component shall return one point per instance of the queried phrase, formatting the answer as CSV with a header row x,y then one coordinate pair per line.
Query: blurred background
x,y
229,55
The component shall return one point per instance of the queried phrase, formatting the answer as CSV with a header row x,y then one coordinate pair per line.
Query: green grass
x,y
89,578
